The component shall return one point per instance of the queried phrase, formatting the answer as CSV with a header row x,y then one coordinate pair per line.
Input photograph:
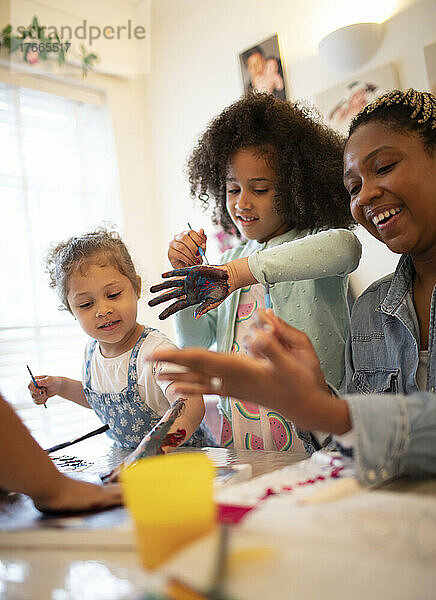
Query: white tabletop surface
x,y
371,544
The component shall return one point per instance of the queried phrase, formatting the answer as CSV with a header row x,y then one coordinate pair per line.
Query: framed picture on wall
x,y
430,63
262,68
342,102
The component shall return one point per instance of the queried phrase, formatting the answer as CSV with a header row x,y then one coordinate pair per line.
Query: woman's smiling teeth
x,y
382,217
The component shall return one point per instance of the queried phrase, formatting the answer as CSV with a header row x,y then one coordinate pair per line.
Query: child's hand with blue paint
x,y
183,250
47,387
207,286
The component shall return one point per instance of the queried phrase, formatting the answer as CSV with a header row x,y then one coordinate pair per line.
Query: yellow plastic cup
x,y
171,501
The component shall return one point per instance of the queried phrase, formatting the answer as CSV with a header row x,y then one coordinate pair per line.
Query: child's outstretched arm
x,y
314,256
189,419
323,254
176,426
70,389
26,468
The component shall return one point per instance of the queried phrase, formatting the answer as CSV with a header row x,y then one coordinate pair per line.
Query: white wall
x,y
119,78
195,74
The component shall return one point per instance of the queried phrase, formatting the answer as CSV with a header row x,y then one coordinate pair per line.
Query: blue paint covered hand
x,y
207,286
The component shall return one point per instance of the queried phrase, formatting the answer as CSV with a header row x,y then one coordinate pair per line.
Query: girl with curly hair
x,y
273,171
97,283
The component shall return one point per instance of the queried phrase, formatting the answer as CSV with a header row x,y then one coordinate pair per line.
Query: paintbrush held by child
x,y
271,170
97,282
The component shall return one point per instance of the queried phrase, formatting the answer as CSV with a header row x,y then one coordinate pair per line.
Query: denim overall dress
x,y
127,415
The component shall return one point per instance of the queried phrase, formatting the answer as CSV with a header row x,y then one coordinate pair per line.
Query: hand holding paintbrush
x,y
39,388
43,387
187,248
200,249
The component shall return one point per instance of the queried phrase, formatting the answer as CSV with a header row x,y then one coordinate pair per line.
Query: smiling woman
x,y
383,169
390,167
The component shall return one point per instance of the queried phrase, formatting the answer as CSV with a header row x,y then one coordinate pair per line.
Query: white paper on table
x,y
376,543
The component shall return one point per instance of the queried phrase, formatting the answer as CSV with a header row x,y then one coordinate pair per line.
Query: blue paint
x,y
199,248
268,303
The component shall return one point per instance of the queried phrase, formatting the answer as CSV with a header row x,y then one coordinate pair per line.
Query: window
x,y
58,177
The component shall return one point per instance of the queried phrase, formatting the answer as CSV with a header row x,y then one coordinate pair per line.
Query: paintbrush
x,y
79,439
216,590
267,296
199,248
35,383
180,590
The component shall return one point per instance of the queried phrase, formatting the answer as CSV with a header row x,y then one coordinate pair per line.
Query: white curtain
x,y
58,177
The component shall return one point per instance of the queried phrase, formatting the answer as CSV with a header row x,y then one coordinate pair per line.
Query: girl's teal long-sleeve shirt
x,y
307,273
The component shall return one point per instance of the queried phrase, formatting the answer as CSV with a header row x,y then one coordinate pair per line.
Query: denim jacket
x,y
395,424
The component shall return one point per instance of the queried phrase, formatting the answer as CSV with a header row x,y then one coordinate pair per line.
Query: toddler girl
x,y
275,173
97,282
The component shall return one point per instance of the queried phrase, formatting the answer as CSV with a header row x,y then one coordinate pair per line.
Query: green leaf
x,y
14,43
36,33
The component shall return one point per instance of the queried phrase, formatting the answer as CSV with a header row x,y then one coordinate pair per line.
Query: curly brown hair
x,y
78,251
305,154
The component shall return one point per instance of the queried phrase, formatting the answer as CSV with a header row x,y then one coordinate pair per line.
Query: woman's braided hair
x,y
403,111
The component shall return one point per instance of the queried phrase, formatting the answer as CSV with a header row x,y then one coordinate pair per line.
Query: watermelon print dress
x,y
253,426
